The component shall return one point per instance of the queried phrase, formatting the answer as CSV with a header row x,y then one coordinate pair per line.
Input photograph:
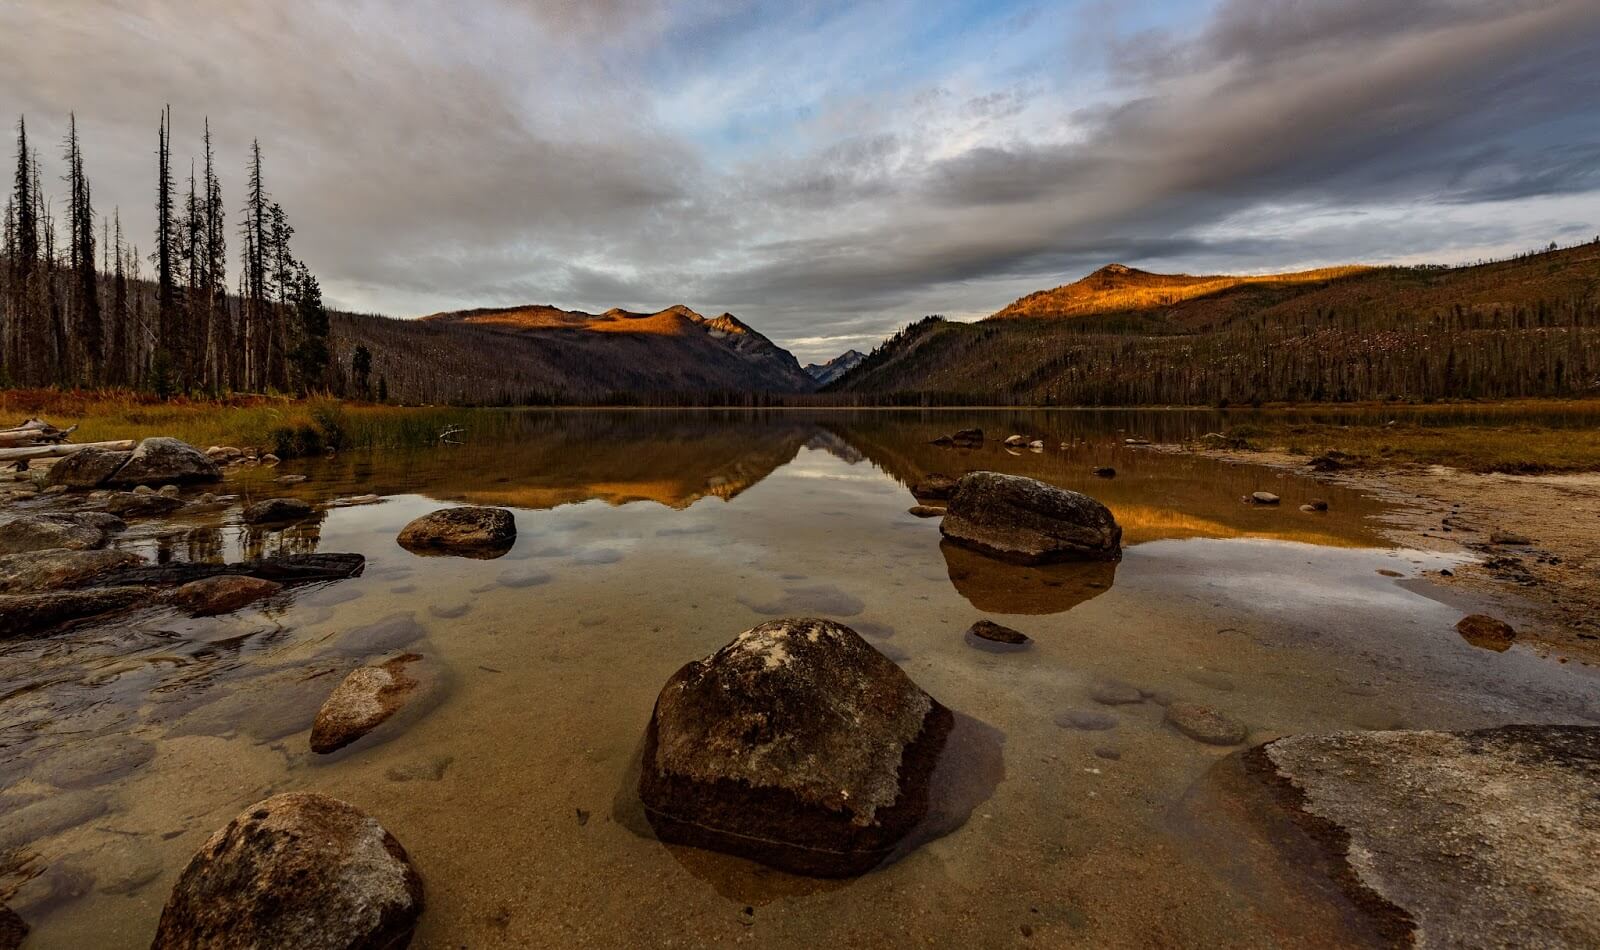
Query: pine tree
x,y
87,330
167,331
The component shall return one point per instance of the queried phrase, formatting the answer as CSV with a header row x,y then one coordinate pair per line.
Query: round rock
x,y
1204,724
363,700
278,511
223,594
469,530
299,870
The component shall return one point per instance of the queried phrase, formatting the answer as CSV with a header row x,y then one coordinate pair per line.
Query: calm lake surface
x,y
648,539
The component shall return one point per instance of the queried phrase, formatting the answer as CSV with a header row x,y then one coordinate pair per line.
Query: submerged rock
x,y
94,762
298,870
1437,839
277,511
797,745
57,569
28,820
156,461
142,504
1028,521
287,569
362,701
223,594
1490,633
30,615
87,468
1204,724
470,531
1104,471
997,633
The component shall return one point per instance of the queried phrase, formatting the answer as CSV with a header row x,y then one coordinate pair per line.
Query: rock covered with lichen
x,y
797,745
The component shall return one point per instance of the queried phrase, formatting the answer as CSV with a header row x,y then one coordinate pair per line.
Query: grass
x,y
285,426
1522,448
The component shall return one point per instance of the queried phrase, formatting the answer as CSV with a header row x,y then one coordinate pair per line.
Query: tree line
x,y
78,310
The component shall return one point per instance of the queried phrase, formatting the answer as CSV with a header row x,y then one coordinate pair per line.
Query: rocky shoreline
x,y
1534,540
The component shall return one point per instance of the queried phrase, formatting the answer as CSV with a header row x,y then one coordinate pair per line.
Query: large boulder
x,y
797,745
1029,522
59,568
471,531
362,701
161,460
1431,839
21,534
298,870
87,468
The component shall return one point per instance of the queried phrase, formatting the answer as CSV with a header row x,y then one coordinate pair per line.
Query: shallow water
x,y
648,539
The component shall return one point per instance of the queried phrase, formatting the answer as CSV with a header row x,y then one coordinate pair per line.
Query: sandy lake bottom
x,y
646,540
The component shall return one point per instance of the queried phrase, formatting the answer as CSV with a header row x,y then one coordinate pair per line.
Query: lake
x,y
647,539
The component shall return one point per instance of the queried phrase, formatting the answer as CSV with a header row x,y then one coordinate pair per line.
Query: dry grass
x,y
285,426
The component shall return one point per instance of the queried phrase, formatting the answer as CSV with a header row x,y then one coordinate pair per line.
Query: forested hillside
x,y
1523,327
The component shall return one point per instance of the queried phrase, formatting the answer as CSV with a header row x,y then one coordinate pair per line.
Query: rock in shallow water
x,y
1204,724
221,595
1489,633
298,870
997,633
56,569
797,745
467,531
361,702
27,615
1437,839
936,486
278,511
1028,521
157,461
23,534
87,468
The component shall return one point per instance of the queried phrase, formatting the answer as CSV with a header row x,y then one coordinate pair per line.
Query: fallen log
x,y
25,453
289,569
31,434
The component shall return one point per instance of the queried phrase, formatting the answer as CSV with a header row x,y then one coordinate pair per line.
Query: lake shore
x,y
1535,539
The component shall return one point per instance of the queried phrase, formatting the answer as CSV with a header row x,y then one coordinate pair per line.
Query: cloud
x,y
831,170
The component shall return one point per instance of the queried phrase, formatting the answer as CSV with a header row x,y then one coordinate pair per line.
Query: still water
x,y
648,539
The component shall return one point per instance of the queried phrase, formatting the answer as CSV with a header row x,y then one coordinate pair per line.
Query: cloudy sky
x,y
832,170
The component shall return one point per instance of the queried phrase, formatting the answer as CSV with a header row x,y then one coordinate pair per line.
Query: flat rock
x,y
287,569
363,700
28,821
926,511
87,469
21,534
1490,633
1028,521
1264,498
470,531
60,568
159,460
1204,724
1481,839
385,635
31,615
95,761
797,745
277,510
298,870
1115,693
222,594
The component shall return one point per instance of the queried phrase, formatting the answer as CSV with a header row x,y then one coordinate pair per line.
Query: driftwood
x,y
34,432
290,569
24,453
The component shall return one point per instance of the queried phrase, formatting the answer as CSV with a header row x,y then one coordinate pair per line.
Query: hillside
x,y
539,354
1523,327
825,373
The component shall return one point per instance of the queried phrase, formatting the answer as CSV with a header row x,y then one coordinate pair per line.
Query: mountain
x,y
825,373
1528,326
540,353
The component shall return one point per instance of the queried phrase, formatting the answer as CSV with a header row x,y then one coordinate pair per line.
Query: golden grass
x,y
281,425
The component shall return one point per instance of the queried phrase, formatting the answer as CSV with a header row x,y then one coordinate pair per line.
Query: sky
x,y
830,171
